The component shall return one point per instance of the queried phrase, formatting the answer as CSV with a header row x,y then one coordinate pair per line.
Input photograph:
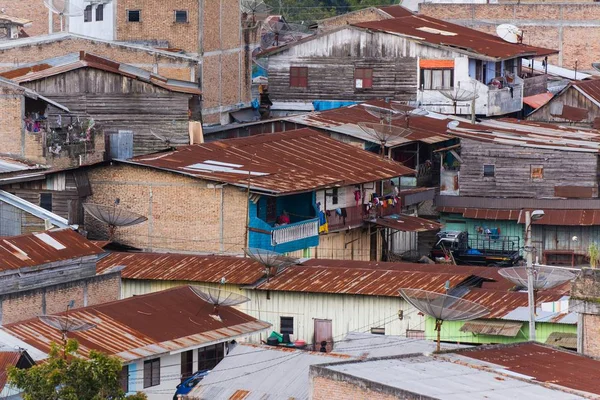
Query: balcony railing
x,y
296,231
354,218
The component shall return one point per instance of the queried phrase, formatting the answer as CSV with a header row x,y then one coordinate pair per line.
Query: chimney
x,y
82,55
585,300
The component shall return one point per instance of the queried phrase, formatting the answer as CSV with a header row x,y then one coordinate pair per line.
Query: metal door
x,y
323,333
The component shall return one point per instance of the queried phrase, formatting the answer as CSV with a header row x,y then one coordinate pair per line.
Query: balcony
x,y
284,234
504,101
284,238
350,217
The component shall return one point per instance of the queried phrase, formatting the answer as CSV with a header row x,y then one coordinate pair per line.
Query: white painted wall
x,y
345,196
97,29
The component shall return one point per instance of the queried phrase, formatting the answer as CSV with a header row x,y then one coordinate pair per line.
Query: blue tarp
x,y
323,105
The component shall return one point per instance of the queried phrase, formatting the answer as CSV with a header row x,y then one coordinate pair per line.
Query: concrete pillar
x,y
585,300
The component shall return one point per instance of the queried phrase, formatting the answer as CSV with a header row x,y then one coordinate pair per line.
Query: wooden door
x,y
323,333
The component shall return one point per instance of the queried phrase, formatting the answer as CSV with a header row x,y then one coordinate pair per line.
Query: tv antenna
x,y
383,133
273,261
65,324
443,307
510,33
218,297
458,94
408,112
254,7
114,216
63,8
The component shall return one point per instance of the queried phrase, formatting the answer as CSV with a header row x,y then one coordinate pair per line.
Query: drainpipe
x,y
222,221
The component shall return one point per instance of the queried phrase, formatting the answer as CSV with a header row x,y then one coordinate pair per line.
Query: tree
x,y
64,376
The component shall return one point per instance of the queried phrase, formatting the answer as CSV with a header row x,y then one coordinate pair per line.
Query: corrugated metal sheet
x,y
41,248
482,213
396,11
434,31
33,209
498,328
516,203
145,326
500,303
183,267
10,165
7,359
537,100
407,223
544,364
563,339
429,129
373,282
287,162
566,218
14,20
590,89
76,61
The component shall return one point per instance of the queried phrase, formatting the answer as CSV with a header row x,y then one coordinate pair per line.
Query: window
x,y
271,209
299,77
124,378
363,78
432,79
286,325
134,16
187,364
335,196
152,373
209,356
181,16
489,170
46,201
378,331
537,172
100,12
87,14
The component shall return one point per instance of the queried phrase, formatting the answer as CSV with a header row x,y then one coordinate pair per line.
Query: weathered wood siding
x,y
569,97
513,170
331,60
120,103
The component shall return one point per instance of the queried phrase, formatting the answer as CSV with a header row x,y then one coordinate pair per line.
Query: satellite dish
x,y
452,124
443,307
544,277
65,324
63,8
254,7
113,216
284,32
382,133
218,297
408,112
596,66
272,260
510,33
382,114
457,94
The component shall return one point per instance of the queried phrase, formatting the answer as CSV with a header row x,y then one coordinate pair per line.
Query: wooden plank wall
x,y
570,97
120,103
513,170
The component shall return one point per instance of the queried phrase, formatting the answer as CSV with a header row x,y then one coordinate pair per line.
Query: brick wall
x,y
171,67
568,27
183,213
20,306
365,15
324,388
33,10
11,121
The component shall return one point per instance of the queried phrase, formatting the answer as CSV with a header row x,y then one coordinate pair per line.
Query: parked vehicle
x,y
186,386
483,250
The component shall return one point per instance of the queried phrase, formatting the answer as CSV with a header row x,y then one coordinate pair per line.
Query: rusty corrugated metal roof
x,y
184,267
396,11
373,282
482,213
145,326
14,20
538,100
84,60
566,218
590,89
7,359
345,120
543,363
501,302
498,328
287,162
407,223
44,247
434,31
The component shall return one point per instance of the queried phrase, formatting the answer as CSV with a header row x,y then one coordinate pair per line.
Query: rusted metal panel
x,y
568,112
407,223
537,100
282,163
42,248
7,359
145,326
563,339
574,192
183,267
501,302
497,328
482,213
461,202
566,218
590,89
543,364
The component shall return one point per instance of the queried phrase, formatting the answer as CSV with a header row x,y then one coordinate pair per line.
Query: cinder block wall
x,y
184,214
561,25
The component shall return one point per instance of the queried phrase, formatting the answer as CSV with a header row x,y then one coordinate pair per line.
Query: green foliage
x,y
594,253
64,376
308,11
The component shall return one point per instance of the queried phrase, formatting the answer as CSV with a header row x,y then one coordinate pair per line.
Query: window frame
x,y
88,12
287,329
48,200
220,350
187,364
422,72
99,12
493,174
153,379
335,196
175,13
124,378
271,209
533,176
298,77
139,13
360,73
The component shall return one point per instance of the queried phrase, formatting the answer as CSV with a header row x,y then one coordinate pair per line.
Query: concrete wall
x,y
565,26
104,29
327,385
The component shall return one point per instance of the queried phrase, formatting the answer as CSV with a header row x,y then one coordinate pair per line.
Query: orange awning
x,y
436,63
538,100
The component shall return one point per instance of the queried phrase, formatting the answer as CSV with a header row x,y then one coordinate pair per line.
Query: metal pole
x,y
530,294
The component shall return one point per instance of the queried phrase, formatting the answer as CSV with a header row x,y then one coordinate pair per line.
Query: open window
x,y
100,12
287,325
134,16
436,74
181,16
87,14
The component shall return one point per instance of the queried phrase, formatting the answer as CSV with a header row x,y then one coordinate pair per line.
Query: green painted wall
x,y
451,332
456,222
